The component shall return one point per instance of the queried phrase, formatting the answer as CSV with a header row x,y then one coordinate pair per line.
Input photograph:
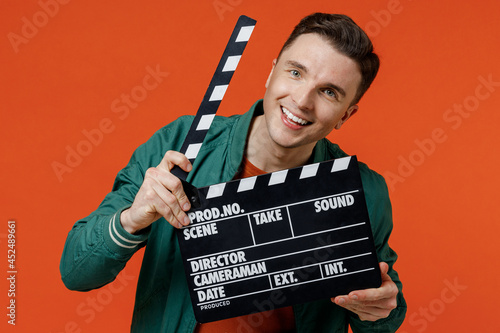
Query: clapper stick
x,y
212,99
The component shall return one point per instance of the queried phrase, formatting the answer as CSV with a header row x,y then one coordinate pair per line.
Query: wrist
x,y
121,241
126,222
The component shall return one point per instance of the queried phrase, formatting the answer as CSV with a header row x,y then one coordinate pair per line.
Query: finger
x,y
384,268
169,199
339,300
370,315
387,289
385,303
173,158
167,206
369,312
174,185
365,311
175,198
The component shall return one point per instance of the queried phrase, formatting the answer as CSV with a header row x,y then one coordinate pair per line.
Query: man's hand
x,y
372,304
161,194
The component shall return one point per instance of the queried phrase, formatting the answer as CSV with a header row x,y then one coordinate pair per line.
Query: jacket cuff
x,y
119,240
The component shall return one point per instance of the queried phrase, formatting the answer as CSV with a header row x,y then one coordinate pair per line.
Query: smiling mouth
x,y
294,119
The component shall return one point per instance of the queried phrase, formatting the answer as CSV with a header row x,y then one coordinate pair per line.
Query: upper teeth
x,y
296,119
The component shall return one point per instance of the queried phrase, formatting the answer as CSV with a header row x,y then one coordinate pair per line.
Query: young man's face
x,y
309,92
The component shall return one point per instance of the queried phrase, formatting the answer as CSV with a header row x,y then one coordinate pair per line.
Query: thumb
x,y
384,268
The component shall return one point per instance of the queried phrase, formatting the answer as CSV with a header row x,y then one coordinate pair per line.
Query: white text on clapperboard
x,y
233,265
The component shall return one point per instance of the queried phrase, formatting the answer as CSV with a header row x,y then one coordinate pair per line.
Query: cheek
x,y
329,120
277,86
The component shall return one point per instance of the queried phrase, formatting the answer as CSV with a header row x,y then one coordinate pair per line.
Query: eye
x,y
295,73
330,93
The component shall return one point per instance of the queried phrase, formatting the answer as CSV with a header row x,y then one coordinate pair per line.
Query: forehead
x,y
322,60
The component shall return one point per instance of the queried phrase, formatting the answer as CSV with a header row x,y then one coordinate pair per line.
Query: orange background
x,y
61,77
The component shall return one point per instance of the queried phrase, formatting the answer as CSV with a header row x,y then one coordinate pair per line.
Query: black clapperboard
x,y
274,240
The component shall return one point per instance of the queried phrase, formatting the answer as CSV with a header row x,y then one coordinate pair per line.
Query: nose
x,y
303,97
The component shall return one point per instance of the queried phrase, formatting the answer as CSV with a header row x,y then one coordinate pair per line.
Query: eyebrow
x,y
304,69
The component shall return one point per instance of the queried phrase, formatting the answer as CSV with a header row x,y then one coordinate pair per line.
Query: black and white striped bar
x,y
295,235
216,90
278,177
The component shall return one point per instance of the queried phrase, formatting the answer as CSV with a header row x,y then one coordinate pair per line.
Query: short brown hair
x,y
347,38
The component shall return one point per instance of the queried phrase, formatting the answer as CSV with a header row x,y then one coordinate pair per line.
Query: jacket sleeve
x,y
97,247
380,212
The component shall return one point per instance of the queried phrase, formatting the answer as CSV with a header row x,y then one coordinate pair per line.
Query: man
x,y
322,71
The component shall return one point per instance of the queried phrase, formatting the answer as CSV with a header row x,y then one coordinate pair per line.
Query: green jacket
x,y
98,248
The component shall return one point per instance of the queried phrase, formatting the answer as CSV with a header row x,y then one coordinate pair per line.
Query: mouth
x,y
293,118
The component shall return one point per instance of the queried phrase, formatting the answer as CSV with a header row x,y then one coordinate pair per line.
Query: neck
x,y
266,155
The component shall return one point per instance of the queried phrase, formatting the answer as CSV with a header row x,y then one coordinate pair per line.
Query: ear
x,y
272,69
348,114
